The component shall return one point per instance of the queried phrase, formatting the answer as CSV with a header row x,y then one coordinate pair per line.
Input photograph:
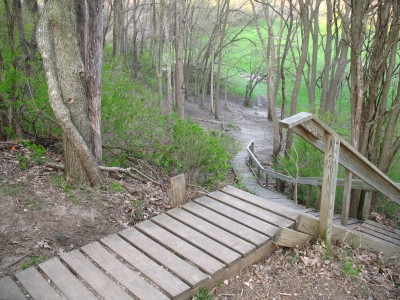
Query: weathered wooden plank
x,y
346,198
213,248
205,262
9,290
65,281
378,235
286,237
309,224
238,216
383,227
93,276
227,224
165,280
256,256
178,190
309,196
366,206
229,240
296,119
251,209
280,210
128,278
328,193
161,255
36,285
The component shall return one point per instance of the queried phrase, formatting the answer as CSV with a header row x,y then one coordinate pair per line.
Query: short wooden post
x,y
318,203
346,198
178,190
328,193
251,156
309,196
266,180
366,205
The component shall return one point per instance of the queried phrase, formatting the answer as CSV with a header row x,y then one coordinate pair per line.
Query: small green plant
x,y
10,190
32,261
22,161
117,187
137,205
351,269
33,203
203,294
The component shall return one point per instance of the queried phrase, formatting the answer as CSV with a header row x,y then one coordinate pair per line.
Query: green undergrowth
x,y
135,125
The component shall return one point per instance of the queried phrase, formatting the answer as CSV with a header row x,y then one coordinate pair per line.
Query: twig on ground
x,y
114,169
13,263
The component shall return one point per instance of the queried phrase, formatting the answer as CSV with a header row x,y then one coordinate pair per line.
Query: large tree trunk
x,y
65,75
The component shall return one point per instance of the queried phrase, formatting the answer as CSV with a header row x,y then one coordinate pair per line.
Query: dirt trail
x,y
243,123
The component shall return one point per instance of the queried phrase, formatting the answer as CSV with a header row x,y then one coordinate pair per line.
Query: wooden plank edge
x,y
308,224
233,270
286,237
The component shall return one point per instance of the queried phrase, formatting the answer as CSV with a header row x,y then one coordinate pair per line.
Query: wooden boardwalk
x,y
170,256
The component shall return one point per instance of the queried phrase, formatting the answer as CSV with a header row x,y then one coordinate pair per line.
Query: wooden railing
x,y
265,174
337,151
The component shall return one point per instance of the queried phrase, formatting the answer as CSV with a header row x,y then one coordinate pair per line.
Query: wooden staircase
x,y
178,252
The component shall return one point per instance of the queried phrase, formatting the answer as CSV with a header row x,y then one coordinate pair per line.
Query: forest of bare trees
x,y
343,53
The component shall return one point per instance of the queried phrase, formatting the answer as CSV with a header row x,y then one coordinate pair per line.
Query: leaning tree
x,y
75,105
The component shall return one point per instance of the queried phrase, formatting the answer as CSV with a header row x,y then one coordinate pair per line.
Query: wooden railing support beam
x,y
346,198
328,193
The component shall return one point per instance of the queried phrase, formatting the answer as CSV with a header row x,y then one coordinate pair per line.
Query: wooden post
x,y
178,190
318,204
366,205
328,193
346,198
309,196
266,180
251,157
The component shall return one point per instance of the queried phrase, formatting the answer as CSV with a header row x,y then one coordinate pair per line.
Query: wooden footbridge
x,y
192,246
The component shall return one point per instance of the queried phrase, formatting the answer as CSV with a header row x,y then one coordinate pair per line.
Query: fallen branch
x,y
114,169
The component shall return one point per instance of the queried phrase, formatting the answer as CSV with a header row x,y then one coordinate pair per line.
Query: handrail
x,y
313,130
338,151
313,181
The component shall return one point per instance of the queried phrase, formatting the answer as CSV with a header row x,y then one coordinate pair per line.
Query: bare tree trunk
x,y
65,78
118,21
304,5
224,20
270,64
93,74
179,72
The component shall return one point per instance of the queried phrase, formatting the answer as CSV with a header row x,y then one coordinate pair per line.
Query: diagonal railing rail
x,y
338,151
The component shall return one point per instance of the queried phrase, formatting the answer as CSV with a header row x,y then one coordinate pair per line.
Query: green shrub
x,y
133,120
